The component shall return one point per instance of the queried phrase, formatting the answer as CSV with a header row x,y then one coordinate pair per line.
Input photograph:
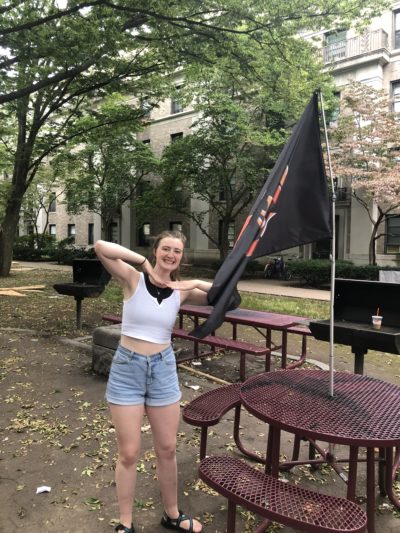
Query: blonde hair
x,y
172,234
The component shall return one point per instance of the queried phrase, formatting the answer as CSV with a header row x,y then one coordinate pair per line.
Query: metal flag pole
x,y
333,256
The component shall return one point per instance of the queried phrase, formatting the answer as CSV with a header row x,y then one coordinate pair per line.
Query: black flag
x,y
292,209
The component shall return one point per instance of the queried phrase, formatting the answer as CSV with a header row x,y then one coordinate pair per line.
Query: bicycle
x,y
276,268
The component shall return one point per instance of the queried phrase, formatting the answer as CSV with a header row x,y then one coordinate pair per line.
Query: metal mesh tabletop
x,y
262,319
363,411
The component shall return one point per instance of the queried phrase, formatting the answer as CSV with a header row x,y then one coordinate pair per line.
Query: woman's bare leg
x,y
127,420
164,425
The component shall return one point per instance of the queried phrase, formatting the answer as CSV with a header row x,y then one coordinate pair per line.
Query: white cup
x,y
376,321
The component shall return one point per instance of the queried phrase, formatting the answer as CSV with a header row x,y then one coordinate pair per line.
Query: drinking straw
x,y
377,312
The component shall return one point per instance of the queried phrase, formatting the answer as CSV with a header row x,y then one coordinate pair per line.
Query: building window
x,y
142,187
144,234
90,233
395,90
175,226
52,230
335,46
336,110
71,231
114,229
52,203
176,136
176,105
146,107
392,234
396,24
222,187
231,233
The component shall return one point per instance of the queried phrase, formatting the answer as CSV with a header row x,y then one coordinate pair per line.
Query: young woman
x,y
143,376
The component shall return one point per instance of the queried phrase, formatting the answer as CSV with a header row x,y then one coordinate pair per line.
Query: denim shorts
x,y
137,379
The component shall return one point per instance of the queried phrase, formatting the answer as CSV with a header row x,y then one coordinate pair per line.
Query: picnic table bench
x,y
277,500
207,410
244,348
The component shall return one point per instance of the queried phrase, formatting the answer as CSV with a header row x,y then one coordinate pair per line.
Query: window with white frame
x,y
336,110
395,90
71,231
91,233
52,203
231,233
176,136
335,45
144,234
392,244
396,29
175,226
176,105
114,232
52,230
146,107
221,193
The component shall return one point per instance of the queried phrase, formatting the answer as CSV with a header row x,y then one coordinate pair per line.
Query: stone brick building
x,y
372,57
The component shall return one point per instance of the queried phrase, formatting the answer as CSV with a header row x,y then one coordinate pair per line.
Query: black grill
x,y
355,301
89,280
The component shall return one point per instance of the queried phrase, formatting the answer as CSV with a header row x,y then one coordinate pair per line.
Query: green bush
x,y
45,248
34,247
65,252
25,249
317,272
254,269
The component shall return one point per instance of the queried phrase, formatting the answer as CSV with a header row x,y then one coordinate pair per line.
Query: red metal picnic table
x,y
364,412
259,320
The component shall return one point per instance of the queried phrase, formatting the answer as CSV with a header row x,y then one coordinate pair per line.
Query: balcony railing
x,y
357,46
343,194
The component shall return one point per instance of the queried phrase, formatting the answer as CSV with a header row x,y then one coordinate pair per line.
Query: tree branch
x,y
38,22
61,76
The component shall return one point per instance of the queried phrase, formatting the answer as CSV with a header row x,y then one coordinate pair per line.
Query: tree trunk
x,y
224,240
23,155
371,251
372,242
9,230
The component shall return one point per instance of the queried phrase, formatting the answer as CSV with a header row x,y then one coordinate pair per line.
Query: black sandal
x,y
175,523
121,527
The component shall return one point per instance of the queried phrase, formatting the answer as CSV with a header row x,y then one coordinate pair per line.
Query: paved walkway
x,y
281,288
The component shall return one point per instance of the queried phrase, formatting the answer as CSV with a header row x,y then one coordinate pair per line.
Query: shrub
x,y
317,272
66,251
25,249
34,247
254,269
45,248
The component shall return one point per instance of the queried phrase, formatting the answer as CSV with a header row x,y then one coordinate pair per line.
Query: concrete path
x,y
281,288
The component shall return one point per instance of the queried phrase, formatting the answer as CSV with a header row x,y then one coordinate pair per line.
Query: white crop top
x,y
146,319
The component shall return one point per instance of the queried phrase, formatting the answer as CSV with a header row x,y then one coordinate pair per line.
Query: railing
x,y
343,194
367,42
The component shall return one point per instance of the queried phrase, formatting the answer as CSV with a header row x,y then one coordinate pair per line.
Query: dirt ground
x,y
55,432
55,429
